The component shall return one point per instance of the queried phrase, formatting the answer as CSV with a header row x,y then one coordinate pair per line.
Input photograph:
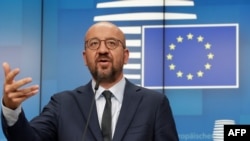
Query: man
x,y
136,114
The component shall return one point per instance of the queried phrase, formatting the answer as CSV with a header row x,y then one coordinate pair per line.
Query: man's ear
x,y
126,56
84,58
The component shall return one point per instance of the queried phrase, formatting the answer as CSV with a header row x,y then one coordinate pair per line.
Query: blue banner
x,y
191,56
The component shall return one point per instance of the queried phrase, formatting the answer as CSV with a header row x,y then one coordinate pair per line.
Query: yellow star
x,y
208,66
200,74
179,39
172,67
210,56
169,56
189,76
179,74
200,38
207,46
172,46
190,36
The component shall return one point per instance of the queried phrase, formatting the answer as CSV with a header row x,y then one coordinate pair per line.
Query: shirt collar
x,y
117,90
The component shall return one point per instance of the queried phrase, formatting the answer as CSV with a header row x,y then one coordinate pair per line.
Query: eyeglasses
x,y
94,43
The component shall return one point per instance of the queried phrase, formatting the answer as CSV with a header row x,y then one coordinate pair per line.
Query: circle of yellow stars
x,y
198,73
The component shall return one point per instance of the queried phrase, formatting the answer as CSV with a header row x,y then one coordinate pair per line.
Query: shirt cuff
x,y
11,116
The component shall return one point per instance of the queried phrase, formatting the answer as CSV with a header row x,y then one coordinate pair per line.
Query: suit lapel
x,y
84,100
131,100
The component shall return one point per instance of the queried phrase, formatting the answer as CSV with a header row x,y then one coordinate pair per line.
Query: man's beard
x,y
104,76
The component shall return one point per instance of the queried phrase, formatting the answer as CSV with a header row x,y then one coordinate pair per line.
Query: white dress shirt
x,y
117,90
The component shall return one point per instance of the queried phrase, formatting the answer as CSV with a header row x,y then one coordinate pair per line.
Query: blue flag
x,y
190,56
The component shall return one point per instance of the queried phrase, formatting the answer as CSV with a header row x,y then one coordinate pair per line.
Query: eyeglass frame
x,y
117,40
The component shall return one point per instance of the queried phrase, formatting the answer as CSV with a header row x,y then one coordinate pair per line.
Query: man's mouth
x,y
103,62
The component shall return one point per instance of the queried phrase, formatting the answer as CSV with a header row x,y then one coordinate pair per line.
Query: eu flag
x,y
190,56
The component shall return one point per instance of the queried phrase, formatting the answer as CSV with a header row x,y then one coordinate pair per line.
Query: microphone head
x,y
98,80
97,85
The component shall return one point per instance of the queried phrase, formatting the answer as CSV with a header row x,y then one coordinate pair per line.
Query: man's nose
x,y
103,48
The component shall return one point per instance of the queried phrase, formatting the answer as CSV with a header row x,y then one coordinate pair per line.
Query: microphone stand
x,y
90,110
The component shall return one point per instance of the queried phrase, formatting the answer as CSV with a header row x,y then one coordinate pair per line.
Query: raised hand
x,y
14,92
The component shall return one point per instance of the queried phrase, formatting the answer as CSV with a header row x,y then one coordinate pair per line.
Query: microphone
x,y
91,109
97,85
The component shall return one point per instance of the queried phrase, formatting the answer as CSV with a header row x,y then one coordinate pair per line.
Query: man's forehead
x,y
103,29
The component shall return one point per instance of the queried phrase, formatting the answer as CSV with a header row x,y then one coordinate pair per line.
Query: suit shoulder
x,y
66,93
150,92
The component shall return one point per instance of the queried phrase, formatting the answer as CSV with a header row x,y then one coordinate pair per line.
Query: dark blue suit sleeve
x,y
41,128
20,130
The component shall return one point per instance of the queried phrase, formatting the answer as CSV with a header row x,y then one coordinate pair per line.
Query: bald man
x,y
134,114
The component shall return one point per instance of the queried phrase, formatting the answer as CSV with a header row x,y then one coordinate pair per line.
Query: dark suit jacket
x,y
145,116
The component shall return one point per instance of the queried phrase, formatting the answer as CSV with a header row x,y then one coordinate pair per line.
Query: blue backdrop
x,y
44,38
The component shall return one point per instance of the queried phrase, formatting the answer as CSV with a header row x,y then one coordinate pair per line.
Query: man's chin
x,y
104,74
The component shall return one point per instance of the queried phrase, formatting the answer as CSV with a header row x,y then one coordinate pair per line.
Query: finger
x,y
14,86
24,93
28,91
10,74
9,78
14,99
6,68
